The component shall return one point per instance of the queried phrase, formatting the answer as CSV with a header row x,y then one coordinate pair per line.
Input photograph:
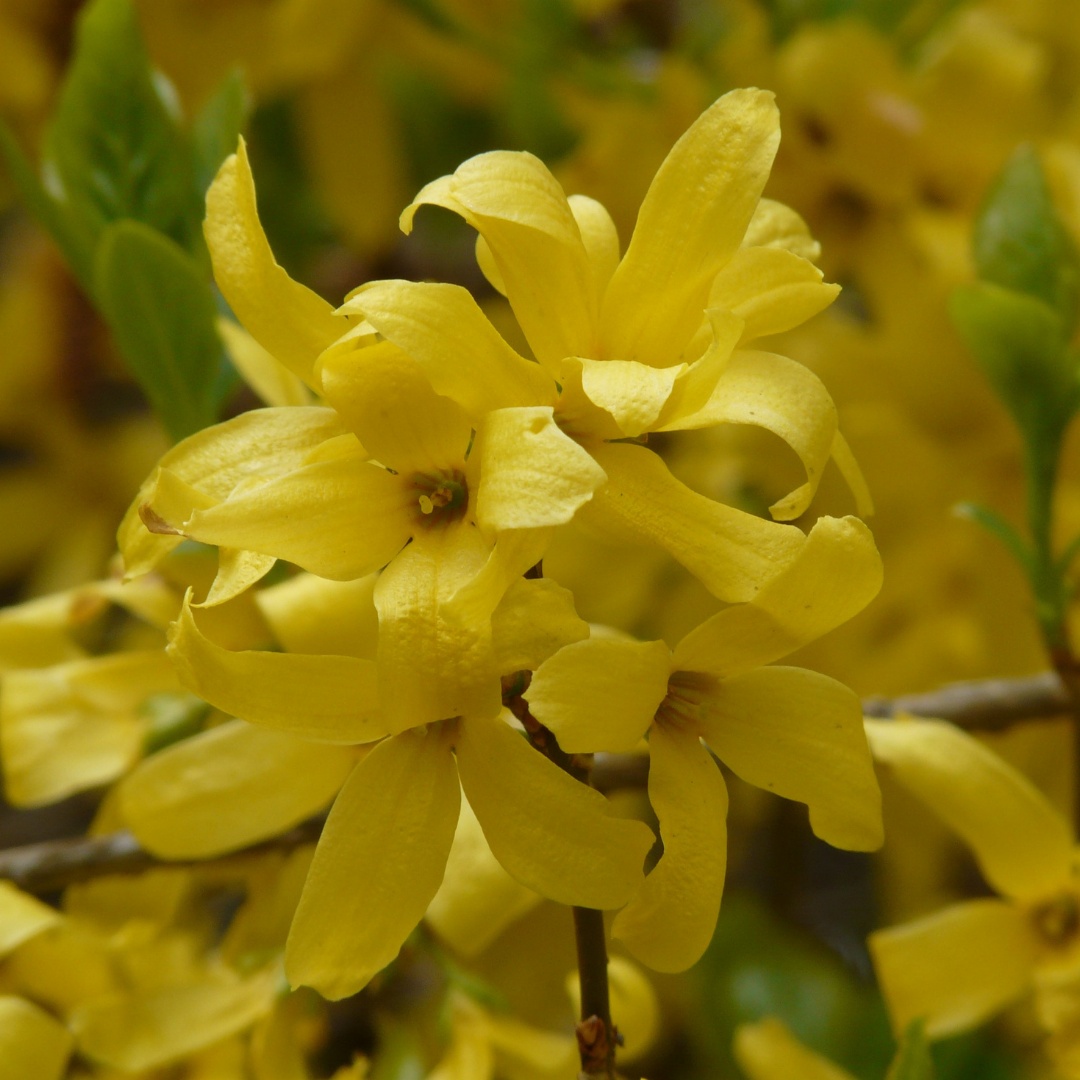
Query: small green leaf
x,y
114,148
159,306
172,717
998,527
397,1055
912,1061
218,126
1021,243
75,243
1020,343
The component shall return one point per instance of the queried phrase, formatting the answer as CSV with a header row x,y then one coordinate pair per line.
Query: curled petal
x,y
670,920
550,832
955,968
732,553
1023,845
378,864
799,734
326,698
227,788
600,237
600,694
291,322
633,394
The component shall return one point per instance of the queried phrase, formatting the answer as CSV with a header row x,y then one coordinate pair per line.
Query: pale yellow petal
x,y
142,1030
635,1005
378,864
600,237
772,289
518,207
670,920
845,461
524,1052
767,1050
955,968
443,329
326,698
633,393
287,319
799,734
834,576
1023,845
22,917
274,383
477,899
732,553
238,570
470,1055
777,225
535,619
227,788
33,1044
690,224
388,402
600,694
784,397
552,833
310,614
340,519
532,474
434,662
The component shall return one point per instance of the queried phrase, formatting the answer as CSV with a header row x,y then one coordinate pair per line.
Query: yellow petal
x,y
671,919
518,207
690,224
600,694
227,788
22,917
852,474
340,519
799,735
326,698
237,571
469,1055
955,968
310,614
552,833
389,403
777,225
145,1029
535,619
730,552
1023,845
768,1051
477,899
433,663
775,393
695,382
771,289
32,1043
635,1006
443,329
274,383
523,1052
378,864
532,475
264,442
600,237
291,322
633,393
835,575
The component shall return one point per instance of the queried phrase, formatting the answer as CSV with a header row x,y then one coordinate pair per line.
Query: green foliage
x,y
1020,242
172,718
999,528
912,1061
218,127
398,1056
161,311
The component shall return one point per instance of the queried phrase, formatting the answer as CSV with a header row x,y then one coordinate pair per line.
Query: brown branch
x,y
988,705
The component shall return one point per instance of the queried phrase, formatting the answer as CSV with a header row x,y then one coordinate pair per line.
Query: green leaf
x,y
172,718
160,308
912,1061
115,148
998,527
1019,342
75,243
1021,243
218,126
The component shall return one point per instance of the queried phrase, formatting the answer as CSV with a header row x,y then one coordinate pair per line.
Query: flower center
x,y
442,496
681,709
1058,921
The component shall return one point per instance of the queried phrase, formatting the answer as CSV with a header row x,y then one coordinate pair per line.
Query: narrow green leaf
x,y
160,308
1019,342
912,1061
998,527
115,148
218,126
74,242
1021,243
